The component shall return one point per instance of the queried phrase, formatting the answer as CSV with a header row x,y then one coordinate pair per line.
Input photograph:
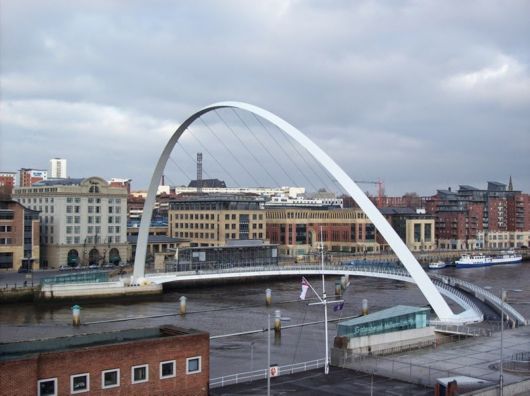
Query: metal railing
x,y
390,268
480,292
261,374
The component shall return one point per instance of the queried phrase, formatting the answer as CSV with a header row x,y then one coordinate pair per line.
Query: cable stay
x,y
249,151
231,152
264,147
214,158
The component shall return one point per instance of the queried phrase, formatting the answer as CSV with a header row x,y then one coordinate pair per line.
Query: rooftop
x,y
15,350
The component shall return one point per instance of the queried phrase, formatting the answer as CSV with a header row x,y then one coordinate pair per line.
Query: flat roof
x,y
398,310
18,349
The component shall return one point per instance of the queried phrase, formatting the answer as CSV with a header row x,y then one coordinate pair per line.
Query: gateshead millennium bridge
x,y
414,272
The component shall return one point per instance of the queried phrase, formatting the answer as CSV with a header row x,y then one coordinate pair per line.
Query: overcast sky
x,y
421,94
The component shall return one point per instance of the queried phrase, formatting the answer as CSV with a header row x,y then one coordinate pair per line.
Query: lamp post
x,y
501,380
269,351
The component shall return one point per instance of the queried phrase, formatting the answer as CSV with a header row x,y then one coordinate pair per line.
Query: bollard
x,y
365,306
76,315
183,305
344,282
268,297
277,323
338,288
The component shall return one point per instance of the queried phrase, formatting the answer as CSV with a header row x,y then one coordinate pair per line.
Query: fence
x,y
249,376
81,277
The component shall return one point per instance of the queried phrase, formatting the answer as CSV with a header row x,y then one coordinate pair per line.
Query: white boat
x,y
437,265
481,260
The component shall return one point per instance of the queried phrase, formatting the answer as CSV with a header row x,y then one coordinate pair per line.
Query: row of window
x,y
93,229
80,383
6,228
211,216
89,240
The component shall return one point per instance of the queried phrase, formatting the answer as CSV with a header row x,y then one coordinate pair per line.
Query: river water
x,y
228,309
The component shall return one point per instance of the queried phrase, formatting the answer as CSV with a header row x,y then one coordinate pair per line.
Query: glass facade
x,y
397,318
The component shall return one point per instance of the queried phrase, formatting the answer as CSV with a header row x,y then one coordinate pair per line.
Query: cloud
x,y
505,81
420,94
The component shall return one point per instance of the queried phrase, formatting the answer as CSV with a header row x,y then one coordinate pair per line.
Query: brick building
x,y
29,176
297,230
19,236
7,182
153,361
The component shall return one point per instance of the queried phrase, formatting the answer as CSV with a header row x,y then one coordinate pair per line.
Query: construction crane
x,y
380,189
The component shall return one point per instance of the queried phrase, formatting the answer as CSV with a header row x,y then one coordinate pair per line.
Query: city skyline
x,y
423,96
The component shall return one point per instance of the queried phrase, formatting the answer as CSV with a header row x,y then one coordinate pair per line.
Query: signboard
x,y
274,371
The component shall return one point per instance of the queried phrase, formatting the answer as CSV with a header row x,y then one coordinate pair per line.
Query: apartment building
x,y
466,217
83,221
28,176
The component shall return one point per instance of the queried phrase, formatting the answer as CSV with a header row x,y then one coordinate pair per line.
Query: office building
x,y
213,220
83,221
298,230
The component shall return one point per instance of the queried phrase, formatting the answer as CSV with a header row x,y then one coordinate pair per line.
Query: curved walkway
x,y
445,285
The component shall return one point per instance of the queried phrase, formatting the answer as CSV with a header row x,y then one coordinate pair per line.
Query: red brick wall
x,y
21,376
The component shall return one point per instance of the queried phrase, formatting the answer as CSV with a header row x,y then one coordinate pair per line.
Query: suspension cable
x,y
307,163
193,159
178,166
215,158
231,152
249,151
264,147
286,154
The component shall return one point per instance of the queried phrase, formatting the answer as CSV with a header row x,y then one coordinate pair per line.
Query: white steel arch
x,y
398,246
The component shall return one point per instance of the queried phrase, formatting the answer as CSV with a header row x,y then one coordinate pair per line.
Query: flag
x,y
305,286
338,307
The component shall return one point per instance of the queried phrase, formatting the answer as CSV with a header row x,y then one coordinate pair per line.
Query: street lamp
x,y
501,381
503,298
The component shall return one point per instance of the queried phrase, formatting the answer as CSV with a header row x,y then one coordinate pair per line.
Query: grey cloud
x,y
377,84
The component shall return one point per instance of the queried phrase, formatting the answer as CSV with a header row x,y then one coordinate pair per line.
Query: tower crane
x,y
380,189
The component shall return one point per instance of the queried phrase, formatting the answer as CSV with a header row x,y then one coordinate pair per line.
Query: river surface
x,y
223,310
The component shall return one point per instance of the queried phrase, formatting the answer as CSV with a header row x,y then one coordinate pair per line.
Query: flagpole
x,y
326,363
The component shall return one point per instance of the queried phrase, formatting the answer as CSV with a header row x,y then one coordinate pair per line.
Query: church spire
x,y
510,184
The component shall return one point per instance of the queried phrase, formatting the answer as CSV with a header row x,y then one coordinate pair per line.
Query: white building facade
x,y
58,168
83,221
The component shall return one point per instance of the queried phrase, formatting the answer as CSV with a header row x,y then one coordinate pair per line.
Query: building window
x,y
193,365
140,374
167,369
80,383
110,378
47,387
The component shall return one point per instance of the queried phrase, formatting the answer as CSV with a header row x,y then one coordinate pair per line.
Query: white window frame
x,y
174,362
146,374
87,383
200,365
46,380
103,386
